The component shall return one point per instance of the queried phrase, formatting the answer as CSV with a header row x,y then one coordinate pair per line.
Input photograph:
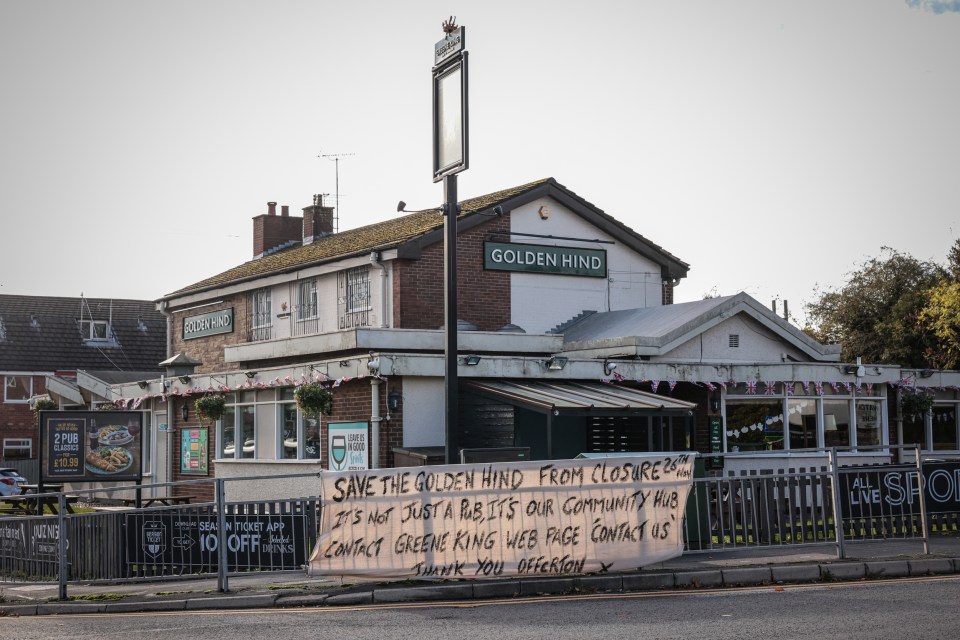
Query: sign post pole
x,y
450,157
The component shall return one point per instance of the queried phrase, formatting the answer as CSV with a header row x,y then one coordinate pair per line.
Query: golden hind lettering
x,y
109,459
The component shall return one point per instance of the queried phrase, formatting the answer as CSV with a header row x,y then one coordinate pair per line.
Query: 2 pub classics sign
x,y
486,520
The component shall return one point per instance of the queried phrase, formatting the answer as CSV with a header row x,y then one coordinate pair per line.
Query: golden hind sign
x,y
486,520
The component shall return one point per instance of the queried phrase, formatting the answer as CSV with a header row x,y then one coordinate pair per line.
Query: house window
x,y
94,329
353,298
260,322
307,299
944,427
17,389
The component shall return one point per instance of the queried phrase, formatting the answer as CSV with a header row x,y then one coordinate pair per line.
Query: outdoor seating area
x,y
167,501
27,504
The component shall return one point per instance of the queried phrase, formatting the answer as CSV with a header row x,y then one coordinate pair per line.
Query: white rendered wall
x,y
757,344
542,301
424,411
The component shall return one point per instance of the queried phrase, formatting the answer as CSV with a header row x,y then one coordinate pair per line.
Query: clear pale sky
x,y
771,145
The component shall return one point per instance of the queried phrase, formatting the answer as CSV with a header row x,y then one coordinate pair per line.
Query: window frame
x,y
6,385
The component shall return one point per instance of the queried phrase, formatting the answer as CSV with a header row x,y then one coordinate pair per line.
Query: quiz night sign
x,y
472,521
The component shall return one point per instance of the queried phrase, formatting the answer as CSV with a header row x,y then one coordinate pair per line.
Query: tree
x,y
940,317
876,315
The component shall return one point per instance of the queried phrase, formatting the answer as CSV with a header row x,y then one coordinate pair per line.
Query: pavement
x,y
875,560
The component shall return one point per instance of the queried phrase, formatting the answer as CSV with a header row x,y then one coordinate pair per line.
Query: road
x,y
910,608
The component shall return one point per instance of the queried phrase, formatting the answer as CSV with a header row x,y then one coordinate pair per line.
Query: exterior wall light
x,y
184,379
609,367
471,360
556,363
393,400
250,374
185,411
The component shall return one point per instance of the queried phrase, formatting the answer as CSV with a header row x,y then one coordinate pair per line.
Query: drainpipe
x,y
375,259
375,419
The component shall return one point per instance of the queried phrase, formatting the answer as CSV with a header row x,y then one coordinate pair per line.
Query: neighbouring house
x,y
569,342
71,350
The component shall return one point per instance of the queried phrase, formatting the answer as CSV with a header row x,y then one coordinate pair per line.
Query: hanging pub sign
x,y
538,258
208,324
95,446
450,130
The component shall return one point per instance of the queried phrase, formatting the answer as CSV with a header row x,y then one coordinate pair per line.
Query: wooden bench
x,y
169,501
27,504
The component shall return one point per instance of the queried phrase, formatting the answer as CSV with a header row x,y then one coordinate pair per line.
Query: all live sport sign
x,y
893,490
472,521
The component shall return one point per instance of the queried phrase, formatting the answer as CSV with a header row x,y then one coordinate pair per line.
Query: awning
x,y
578,397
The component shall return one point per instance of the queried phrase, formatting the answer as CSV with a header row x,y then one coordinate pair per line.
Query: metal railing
x,y
231,526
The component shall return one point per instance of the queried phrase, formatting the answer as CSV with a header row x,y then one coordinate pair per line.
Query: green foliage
x,y
313,399
876,315
916,403
45,404
940,320
210,408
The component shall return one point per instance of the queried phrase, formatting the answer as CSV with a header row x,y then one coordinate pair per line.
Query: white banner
x,y
548,517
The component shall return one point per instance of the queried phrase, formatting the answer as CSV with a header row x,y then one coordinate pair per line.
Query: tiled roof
x,y
374,237
40,333
397,231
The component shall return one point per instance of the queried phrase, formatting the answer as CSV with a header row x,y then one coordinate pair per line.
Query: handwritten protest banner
x,y
548,517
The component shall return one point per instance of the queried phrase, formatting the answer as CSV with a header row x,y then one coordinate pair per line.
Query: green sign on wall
x,y
537,258
208,324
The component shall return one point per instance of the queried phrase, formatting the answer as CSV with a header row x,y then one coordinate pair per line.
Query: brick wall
x,y
483,297
667,293
209,349
18,420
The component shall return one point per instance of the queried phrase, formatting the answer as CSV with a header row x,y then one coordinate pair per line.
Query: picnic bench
x,y
169,501
27,504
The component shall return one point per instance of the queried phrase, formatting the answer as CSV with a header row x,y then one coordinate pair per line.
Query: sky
x,y
772,145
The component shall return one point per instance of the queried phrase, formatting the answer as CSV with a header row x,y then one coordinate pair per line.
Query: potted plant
x,y
313,399
210,407
914,403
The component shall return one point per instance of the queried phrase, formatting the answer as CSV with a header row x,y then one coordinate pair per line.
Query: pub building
x,y
569,342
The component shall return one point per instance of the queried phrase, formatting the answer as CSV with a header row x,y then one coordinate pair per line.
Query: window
x,y
94,329
836,423
755,424
17,389
238,427
733,341
260,321
803,423
300,435
868,422
353,298
944,430
307,299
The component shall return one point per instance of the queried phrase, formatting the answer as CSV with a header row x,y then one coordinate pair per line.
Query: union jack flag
x,y
137,402
672,384
288,379
618,377
788,387
751,387
869,386
710,386
849,386
806,388
857,386
836,386
654,384
771,387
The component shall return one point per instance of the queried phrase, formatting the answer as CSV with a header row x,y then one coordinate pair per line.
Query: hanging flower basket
x,y
915,403
210,408
313,399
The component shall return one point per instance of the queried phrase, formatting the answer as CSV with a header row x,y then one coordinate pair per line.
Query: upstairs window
x,y
307,305
17,389
95,330
260,322
353,298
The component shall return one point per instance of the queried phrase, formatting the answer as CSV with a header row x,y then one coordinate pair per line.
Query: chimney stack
x,y
272,232
317,220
